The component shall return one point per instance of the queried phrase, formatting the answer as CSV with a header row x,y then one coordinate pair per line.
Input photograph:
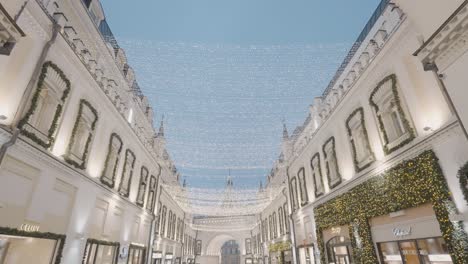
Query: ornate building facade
x,y
377,173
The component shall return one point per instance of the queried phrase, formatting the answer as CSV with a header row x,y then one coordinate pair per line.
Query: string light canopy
x,y
228,202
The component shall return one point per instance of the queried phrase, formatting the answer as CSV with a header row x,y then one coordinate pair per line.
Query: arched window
x,y
331,163
293,194
42,119
357,132
394,127
303,186
163,222
275,226
142,186
281,220
286,215
112,160
82,135
153,187
169,225
127,173
317,175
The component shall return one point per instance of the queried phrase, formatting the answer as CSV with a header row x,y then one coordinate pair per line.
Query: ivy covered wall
x,y
409,184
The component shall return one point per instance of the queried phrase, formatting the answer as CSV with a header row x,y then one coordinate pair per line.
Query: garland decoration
x,y
103,178
316,192
60,238
411,183
331,141
463,177
34,105
359,111
401,112
81,165
101,242
128,152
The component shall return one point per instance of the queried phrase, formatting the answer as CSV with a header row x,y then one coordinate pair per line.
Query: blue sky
x,y
226,73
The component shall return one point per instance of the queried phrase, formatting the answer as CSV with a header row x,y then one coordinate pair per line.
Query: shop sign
x,y
157,255
29,228
401,231
336,230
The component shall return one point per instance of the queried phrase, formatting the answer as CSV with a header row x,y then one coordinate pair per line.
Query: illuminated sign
x,y
401,231
29,228
336,230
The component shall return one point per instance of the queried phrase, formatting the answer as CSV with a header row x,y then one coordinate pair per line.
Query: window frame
x,y
126,193
317,193
331,141
103,177
360,122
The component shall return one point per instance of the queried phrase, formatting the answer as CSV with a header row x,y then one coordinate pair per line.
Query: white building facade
x,y
378,173
81,164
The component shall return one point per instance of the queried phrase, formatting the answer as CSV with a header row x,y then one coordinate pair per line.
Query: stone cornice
x,y
448,42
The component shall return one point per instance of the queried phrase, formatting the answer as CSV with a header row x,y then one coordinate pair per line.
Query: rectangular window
x,y
127,173
142,187
152,194
329,154
100,252
136,254
317,175
293,194
303,186
359,139
112,160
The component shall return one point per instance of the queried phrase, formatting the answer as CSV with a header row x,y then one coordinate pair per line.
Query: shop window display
x,y
24,250
421,251
101,252
339,250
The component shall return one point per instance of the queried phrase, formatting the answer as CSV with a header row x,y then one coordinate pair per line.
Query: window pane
x,y
434,251
390,253
409,252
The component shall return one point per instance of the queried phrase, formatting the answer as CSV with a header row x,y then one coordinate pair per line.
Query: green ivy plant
x,y
331,140
316,192
404,120
359,111
106,164
60,238
34,104
128,153
463,177
82,165
410,184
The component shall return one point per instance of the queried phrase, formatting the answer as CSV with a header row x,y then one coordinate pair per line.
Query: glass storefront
x,y
101,252
25,250
157,258
339,250
419,251
136,255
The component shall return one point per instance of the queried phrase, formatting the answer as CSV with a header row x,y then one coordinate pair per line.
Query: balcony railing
x,y
367,28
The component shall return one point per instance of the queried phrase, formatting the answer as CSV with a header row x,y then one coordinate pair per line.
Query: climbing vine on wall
x,y
409,184
34,104
401,112
83,158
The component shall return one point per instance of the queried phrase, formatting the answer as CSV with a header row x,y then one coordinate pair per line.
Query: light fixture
x,y
428,128
3,117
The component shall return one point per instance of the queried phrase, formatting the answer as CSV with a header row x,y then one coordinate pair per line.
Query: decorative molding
x,y
319,169
359,113
127,153
331,141
84,157
106,164
59,78
411,183
409,132
449,42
